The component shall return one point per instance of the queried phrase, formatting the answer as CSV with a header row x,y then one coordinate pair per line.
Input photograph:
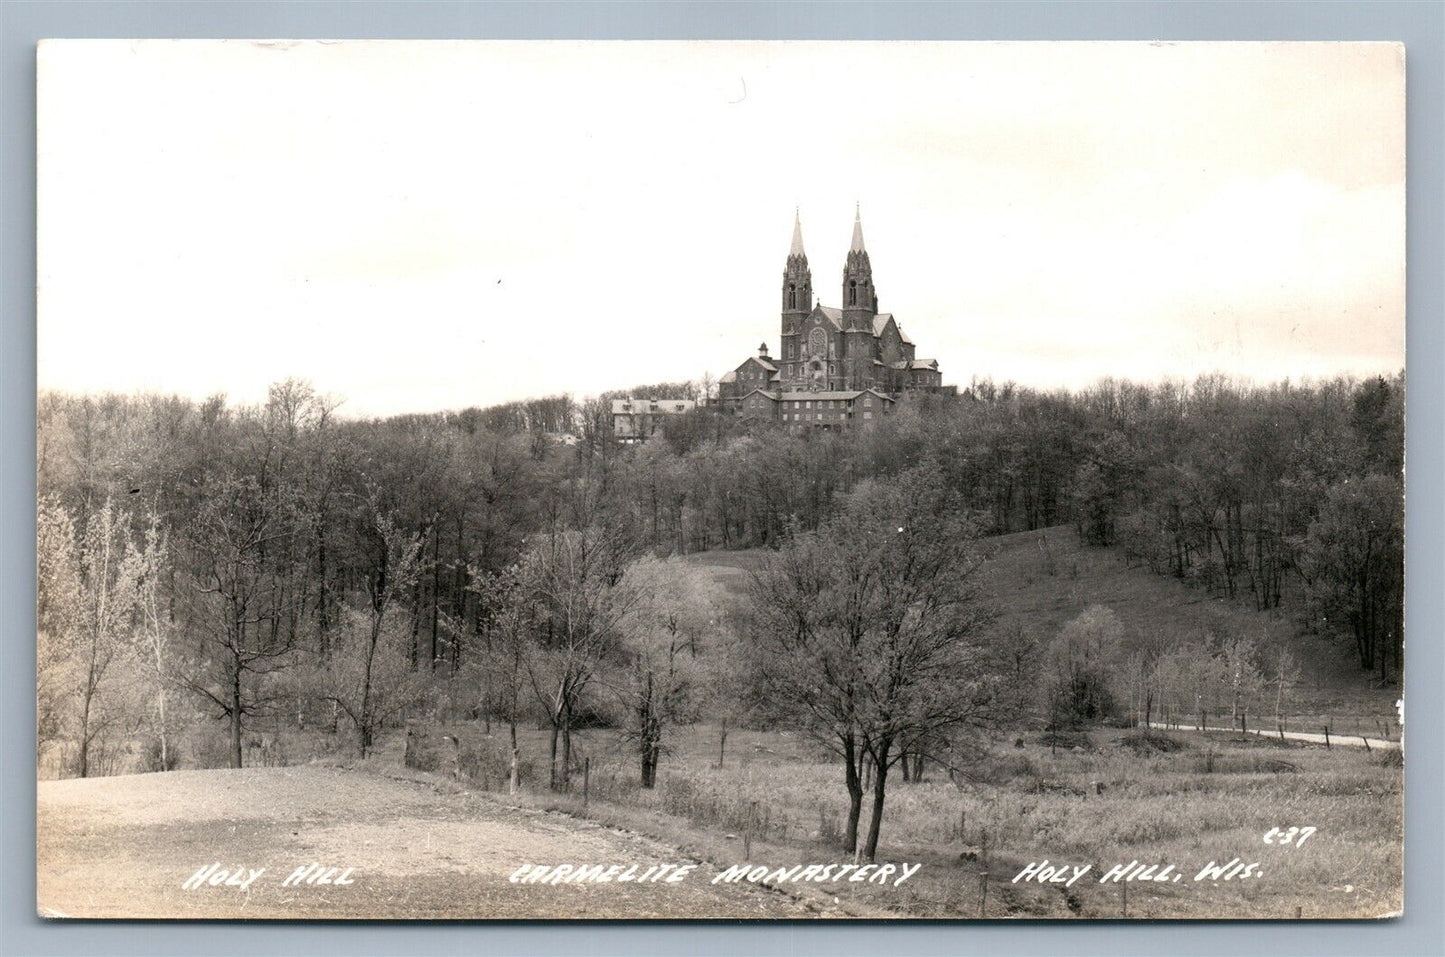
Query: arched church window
x,y
792,296
852,292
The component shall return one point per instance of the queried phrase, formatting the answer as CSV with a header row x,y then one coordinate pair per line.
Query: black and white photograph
x,y
552,480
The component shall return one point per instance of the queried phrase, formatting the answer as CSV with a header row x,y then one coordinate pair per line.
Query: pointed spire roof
x,y
797,249
857,244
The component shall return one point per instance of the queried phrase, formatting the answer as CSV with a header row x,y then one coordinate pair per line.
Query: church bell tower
x,y
860,305
797,294
860,299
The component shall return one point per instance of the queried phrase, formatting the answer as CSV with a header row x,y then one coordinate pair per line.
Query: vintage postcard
x,y
495,480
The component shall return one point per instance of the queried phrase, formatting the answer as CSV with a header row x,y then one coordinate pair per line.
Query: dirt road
x,y
124,847
1342,740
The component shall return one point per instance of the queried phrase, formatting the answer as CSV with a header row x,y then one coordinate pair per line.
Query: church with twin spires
x,y
835,366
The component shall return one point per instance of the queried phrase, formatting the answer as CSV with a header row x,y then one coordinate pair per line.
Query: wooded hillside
x,y
216,565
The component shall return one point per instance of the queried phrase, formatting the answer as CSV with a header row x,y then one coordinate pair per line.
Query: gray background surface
x,y
1420,25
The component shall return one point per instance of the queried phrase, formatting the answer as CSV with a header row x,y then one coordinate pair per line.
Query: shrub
x,y
488,762
1145,741
428,750
209,746
151,755
484,761
1000,768
1066,739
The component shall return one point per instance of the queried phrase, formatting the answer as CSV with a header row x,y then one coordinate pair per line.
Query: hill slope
x,y
1042,579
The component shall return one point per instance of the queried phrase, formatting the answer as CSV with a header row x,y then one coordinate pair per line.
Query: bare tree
x,y
1353,558
575,577
511,625
1083,660
391,561
236,605
1286,675
108,577
153,629
874,634
1238,660
676,610
58,605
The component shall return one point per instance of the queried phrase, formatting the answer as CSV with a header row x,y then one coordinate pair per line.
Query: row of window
x,y
818,416
827,403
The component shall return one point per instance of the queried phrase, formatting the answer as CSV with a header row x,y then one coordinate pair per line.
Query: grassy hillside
x,y
1040,580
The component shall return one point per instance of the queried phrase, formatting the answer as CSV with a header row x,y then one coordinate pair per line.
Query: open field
x,y
425,846
1214,798
124,846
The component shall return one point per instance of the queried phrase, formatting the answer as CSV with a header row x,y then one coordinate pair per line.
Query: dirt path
x,y
1344,740
124,846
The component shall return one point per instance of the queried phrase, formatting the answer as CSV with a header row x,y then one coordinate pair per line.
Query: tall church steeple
x,y
797,288
856,246
797,278
860,298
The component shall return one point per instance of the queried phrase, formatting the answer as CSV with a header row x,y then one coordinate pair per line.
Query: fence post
x,y
586,781
1327,737
1244,722
1281,729
1367,742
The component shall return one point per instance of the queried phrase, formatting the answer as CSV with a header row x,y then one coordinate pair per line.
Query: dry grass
x,y
1211,798
1107,800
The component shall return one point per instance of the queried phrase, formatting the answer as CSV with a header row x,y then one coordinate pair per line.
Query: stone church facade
x,y
831,360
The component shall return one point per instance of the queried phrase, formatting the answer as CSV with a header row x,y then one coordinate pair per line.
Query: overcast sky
x,y
425,226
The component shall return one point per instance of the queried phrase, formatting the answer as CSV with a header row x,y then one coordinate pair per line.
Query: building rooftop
x,y
799,396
